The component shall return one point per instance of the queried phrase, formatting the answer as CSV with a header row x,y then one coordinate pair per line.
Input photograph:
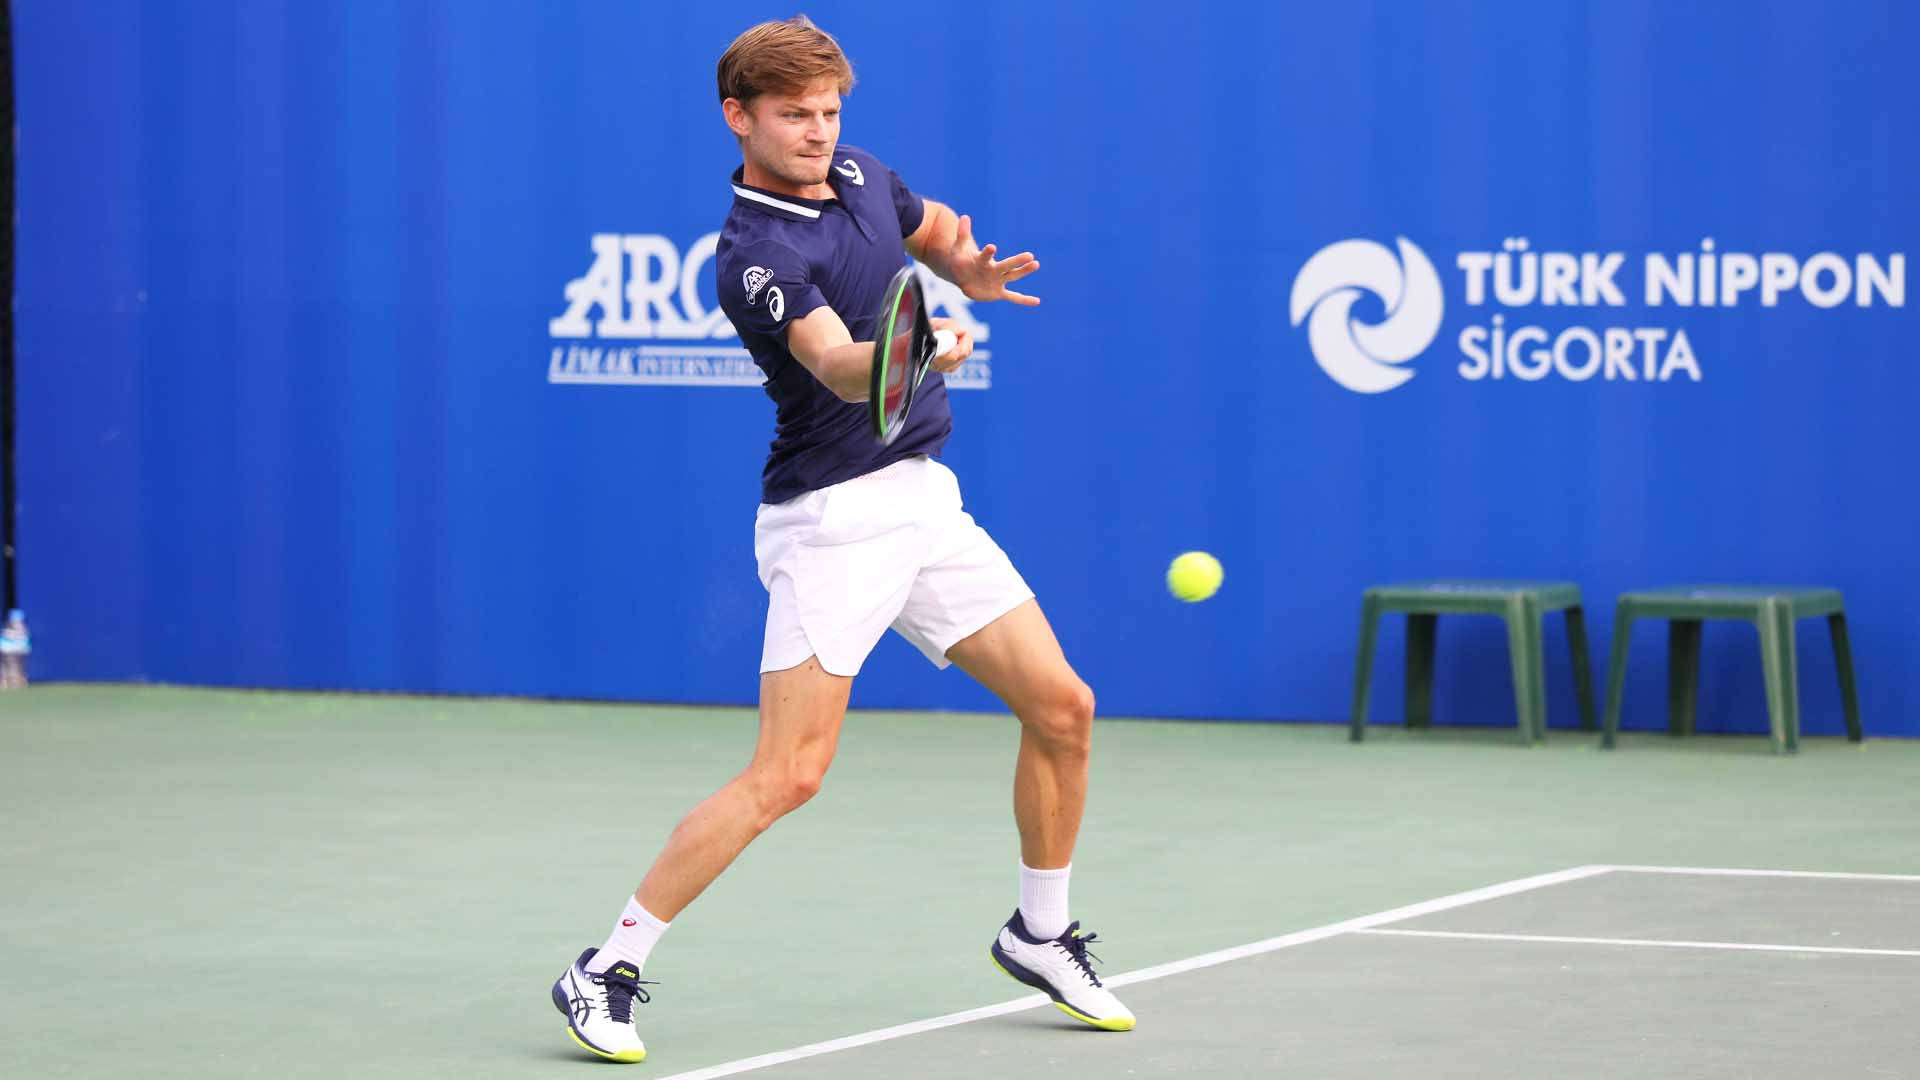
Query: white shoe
x,y
1059,969
599,1008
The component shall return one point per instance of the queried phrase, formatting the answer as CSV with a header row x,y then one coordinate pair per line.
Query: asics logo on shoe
x,y
628,974
579,1005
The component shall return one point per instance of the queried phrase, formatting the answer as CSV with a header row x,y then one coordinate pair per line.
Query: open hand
x,y
980,275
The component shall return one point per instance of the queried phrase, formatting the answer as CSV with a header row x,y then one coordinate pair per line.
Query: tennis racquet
x,y
904,345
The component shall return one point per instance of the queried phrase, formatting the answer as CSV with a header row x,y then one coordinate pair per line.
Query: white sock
x,y
1043,901
632,939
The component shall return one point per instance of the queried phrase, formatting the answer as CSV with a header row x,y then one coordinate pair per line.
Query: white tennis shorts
x,y
891,548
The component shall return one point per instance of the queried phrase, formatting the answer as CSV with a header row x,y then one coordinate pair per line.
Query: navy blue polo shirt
x,y
781,257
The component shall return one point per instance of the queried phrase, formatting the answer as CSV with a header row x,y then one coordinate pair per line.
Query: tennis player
x,y
853,537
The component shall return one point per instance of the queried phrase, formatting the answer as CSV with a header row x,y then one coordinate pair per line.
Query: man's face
x,y
791,136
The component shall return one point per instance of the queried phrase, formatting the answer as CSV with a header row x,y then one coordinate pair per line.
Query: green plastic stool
x,y
1523,604
1772,610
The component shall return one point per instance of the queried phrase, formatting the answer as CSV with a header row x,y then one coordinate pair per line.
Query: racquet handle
x,y
943,342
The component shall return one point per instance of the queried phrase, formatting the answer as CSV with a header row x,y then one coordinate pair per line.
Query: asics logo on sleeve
x,y
851,170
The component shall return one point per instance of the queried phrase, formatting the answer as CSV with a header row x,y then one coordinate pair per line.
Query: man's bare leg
x,y
1017,657
800,713
801,710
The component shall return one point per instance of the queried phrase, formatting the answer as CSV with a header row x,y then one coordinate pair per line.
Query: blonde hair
x,y
781,58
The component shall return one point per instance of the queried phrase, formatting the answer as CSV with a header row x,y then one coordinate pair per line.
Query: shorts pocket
x,y
854,512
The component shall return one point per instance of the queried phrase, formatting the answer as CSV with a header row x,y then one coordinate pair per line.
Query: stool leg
x,y
1777,660
1683,674
1422,631
1616,674
1363,668
1537,658
1582,677
1790,681
1843,659
1529,691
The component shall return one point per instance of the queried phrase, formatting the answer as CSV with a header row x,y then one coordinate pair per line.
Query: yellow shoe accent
x,y
1104,1025
628,1056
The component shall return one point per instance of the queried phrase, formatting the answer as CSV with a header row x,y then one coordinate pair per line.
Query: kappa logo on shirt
x,y
755,279
851,170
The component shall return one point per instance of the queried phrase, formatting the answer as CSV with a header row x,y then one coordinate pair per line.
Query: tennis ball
x,y
1194,576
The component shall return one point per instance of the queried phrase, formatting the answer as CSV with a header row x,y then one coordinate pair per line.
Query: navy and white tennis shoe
x,y
1061,969
599,1008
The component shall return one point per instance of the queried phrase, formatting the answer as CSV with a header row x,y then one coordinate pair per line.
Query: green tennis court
x,y
223,884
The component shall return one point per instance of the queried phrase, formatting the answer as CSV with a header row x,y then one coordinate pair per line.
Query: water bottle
x,y
14,647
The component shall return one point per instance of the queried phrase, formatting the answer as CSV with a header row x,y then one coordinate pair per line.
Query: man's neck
x,y
753,176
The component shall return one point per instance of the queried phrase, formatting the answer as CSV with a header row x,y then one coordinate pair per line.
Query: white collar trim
x,y
791,208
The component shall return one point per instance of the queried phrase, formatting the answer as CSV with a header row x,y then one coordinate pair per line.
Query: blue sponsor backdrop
x,y
287,273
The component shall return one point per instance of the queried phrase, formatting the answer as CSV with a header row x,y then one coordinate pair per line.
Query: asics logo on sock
x,y
628,922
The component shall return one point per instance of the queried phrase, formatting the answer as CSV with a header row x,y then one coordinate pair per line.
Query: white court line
x,y
1302,937
1641,941
1425,907
1713,870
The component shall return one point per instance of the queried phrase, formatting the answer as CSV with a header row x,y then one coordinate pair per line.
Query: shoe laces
x,y
1076,946
620,993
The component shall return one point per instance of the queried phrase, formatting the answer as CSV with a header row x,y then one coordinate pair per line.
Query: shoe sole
x,y
1021,975
627,1057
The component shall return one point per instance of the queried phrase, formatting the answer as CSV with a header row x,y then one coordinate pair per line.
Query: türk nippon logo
x,y
1373,357
640,316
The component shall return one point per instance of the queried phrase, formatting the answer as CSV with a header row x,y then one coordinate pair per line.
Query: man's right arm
x,y
765,288
824,346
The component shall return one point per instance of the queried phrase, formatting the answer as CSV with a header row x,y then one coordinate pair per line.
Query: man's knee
x,y
800,713
786,788
1062,718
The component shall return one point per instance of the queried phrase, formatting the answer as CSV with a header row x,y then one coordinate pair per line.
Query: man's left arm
x,y
944,242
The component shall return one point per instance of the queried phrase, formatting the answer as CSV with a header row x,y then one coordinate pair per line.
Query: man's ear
x,y
739,120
